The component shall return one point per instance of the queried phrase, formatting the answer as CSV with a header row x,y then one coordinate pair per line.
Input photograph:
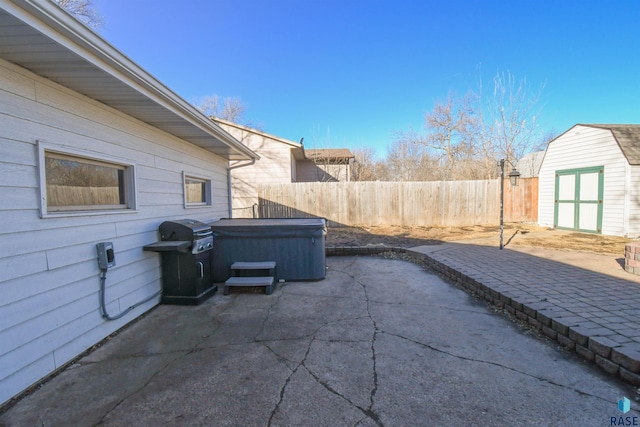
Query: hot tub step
x,y
267,281
261,265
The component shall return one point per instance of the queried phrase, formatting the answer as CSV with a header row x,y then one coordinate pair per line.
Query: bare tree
x,y
513,111
449,131
546,139
408,160
84,11
365,167
231,109
465,136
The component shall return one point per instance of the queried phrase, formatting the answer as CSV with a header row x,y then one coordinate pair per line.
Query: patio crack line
x,y
142,387
311,335
360,421
374,389
266,317
280,357
301,363
471,359
180,354
286,382
369,411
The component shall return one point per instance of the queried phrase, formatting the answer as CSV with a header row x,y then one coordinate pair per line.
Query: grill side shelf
x,y
169,246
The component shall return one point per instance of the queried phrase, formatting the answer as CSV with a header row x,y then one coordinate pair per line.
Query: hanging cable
x,y
103,307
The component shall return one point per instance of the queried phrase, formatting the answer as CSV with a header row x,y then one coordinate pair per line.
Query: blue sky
x,y
351,73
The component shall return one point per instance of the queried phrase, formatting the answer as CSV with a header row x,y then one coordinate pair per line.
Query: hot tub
x,y
296,245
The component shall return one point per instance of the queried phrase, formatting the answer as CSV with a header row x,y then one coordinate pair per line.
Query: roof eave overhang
x,y
79,59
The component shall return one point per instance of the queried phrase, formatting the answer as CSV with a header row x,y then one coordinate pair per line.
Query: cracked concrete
x,y
379,342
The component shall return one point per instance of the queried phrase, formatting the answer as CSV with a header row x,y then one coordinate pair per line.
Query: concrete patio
x,y
378,342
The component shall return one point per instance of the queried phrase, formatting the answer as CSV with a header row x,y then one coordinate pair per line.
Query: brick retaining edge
x,y
608,355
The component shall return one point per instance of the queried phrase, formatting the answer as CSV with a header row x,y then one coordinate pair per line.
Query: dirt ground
x,y
515,234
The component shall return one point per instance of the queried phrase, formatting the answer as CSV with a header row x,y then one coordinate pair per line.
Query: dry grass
x,y
515,234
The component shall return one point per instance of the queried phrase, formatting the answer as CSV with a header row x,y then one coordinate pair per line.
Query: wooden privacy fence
x,y
521,202
440,203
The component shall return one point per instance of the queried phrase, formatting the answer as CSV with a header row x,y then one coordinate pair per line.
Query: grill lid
x,y
184,229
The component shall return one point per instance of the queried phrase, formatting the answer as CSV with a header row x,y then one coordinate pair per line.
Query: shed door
x,y
578,201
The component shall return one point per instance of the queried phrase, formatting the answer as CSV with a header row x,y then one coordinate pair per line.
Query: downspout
x,y
229,192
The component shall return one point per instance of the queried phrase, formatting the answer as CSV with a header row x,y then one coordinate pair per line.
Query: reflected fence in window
x,y
66,196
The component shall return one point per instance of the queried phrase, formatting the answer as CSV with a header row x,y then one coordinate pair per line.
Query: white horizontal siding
x,y
29,373
16,152
583,147
22,265
633,203
23,243
18,84
49,278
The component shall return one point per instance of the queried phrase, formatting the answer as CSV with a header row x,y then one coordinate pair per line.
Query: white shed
x,y
589,180
92,149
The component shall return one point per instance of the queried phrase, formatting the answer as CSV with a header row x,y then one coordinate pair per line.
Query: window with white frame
x,y
71,182
197,191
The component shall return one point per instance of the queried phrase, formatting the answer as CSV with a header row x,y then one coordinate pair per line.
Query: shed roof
x,y
40,36
628,138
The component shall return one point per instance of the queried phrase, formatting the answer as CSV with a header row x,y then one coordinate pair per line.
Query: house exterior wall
x,y
310,171
583,147
273,167
294,170
633,202
49,276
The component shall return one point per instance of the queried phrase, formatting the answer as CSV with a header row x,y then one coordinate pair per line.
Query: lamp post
x,y
514,176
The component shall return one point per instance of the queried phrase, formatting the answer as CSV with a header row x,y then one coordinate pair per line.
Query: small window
x,y
197,191
74,183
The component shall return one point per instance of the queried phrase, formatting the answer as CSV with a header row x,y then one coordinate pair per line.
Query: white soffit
x,y
41,37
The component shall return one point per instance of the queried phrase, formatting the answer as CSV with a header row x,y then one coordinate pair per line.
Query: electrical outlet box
x,y
106,255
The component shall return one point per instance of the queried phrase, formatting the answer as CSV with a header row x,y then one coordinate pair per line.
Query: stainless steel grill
x,y
186,247
198,234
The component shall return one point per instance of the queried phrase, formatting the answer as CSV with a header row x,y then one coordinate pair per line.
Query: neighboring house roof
x,y
329,154
41,37
529,164
628,138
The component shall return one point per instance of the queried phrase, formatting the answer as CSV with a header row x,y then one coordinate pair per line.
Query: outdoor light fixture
x,y
514,177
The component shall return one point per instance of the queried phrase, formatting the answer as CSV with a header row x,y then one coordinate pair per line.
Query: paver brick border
x,y
619,360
